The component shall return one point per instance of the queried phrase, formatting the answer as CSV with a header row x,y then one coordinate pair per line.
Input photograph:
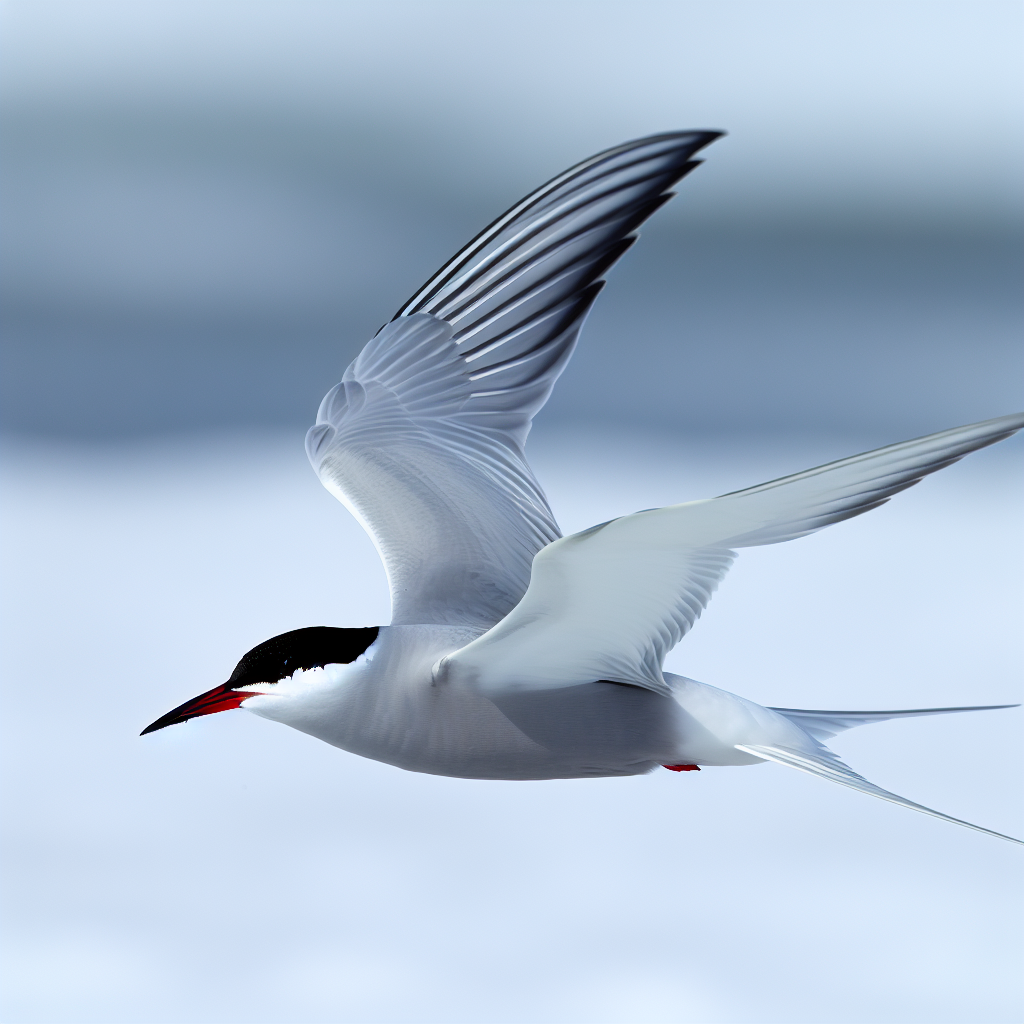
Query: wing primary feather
x,y
545,223
589,270
1013,424
573,307
558,343
683,144
519,270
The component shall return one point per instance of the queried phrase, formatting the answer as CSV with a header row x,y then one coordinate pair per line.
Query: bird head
x,y
270,662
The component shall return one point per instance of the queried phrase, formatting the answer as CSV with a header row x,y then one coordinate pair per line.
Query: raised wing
x,y
424,437
609,603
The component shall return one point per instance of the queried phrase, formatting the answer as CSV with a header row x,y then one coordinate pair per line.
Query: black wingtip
x,y
704,136
707,134
682,145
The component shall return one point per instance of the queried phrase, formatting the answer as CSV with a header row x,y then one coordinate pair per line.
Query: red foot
x,y
681,767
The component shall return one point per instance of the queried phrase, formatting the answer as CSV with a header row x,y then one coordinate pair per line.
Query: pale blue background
x,y
210,207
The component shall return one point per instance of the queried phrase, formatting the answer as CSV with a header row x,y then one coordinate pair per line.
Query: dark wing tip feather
x,y
669,153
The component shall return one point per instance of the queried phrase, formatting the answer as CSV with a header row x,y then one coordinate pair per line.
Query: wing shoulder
x,y
452,505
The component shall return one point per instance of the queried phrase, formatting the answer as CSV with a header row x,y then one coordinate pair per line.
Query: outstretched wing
x,y
424,437
609,603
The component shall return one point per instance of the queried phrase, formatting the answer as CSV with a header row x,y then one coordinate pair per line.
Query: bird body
x,y
390,706
513,652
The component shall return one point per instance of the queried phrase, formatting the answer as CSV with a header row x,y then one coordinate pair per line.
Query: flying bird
x,y
514,652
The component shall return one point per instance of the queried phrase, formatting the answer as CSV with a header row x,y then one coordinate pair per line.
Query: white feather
x,y
610,602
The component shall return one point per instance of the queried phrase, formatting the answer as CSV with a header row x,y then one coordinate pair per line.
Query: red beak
x,y
220,698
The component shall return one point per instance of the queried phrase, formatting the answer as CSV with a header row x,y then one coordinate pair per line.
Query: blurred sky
x,y
209,208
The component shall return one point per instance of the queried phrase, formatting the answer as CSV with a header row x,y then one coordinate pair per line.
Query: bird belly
x,y
579,732
712,722
391,709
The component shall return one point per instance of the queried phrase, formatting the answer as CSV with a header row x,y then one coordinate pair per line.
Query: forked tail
x,y
823,725
826,765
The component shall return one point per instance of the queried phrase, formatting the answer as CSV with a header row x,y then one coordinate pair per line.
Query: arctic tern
x,y
514,652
